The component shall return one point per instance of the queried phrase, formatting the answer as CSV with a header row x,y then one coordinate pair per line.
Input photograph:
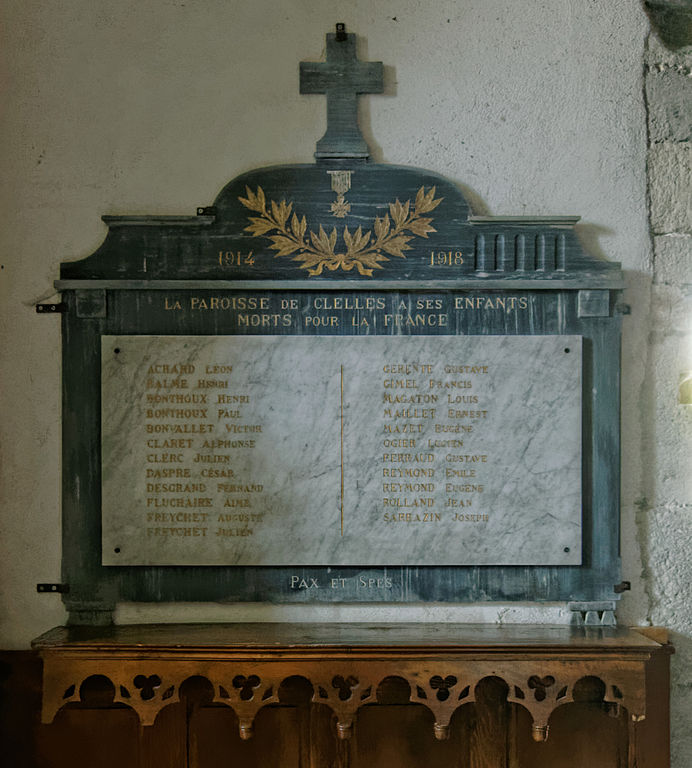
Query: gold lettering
x,y
321,321
265,321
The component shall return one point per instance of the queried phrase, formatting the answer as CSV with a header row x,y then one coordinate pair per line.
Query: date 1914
x,y
236,259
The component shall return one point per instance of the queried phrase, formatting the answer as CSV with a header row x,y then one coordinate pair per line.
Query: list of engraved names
x,y
433,439
194,428
286,450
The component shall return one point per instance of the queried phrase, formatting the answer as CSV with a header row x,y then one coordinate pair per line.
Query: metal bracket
x,y
623,586
206,210
51,309
593,614
61,588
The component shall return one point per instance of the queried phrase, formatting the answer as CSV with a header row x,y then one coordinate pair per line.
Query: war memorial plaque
x,y
338,384
367,450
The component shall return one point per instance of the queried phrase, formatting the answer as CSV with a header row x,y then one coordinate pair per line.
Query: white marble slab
x,y
325,450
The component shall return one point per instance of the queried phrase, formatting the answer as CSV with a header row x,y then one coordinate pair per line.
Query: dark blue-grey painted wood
x,y
142,312
342,77
612,280
490,249
360,230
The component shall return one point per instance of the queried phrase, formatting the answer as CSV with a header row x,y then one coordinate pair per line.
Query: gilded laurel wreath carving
x,y
318,250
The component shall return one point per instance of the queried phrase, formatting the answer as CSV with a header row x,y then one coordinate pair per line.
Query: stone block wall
x,y
665,504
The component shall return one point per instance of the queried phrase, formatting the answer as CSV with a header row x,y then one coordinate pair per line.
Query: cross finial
x,y
342,77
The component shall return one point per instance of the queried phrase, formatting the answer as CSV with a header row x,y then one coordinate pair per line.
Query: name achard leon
x,y
280,311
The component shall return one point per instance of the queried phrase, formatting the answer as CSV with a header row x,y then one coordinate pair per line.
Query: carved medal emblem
x,y
341,183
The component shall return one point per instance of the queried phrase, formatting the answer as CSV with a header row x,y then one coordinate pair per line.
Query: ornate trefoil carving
x,y
346,687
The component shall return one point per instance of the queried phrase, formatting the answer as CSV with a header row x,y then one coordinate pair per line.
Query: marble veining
x,y
289,450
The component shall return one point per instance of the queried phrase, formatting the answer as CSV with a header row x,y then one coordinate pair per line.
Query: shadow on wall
x,y
671,20
589,236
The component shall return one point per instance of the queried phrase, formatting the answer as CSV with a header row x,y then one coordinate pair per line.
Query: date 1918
x,y
446,258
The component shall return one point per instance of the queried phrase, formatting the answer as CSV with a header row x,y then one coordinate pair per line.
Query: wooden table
x,y
542,667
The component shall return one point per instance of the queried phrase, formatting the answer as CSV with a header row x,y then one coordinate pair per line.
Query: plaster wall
x,y
533,108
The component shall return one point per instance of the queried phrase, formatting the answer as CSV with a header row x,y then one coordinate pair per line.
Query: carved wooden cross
x,y
342,77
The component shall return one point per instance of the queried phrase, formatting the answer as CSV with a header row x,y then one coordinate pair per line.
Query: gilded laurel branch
x,y
318,250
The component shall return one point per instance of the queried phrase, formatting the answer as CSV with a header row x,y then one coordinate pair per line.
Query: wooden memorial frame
x,y
377,251
366,235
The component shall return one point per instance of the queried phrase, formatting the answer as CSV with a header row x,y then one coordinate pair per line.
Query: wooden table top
x,y
344,637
